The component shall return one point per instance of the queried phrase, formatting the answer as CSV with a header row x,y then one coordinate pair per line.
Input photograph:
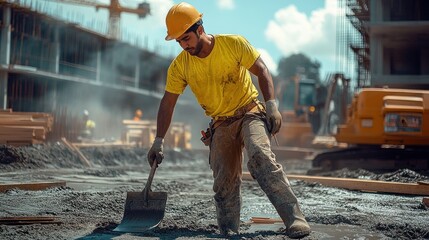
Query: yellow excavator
x,y
297,98
385,129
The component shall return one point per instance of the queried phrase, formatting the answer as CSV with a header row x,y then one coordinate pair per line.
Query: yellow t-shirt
x,y
220,82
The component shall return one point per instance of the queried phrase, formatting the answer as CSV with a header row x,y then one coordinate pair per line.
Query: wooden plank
x,y
14,129
285,153
362,184
15,118
26,113
29,116
138,127
102,144
28,220
141,122
82,157
11,122
17,143
67,144
265,220
31,186
19,137
23,133
74,150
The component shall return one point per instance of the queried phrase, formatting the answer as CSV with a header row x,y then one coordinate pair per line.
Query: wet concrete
x,y
92,203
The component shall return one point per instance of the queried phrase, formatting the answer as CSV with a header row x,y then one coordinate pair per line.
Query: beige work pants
x,y
226,163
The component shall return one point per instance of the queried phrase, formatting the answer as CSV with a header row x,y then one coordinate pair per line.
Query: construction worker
x,y
87,127
216,67
138,115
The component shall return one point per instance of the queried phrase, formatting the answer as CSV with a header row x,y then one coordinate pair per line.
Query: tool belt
x,y
239,112
253,106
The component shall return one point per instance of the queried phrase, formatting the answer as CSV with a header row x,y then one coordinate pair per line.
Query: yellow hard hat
x,y
180,18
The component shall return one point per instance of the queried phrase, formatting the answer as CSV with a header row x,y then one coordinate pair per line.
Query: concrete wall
x,y
399,43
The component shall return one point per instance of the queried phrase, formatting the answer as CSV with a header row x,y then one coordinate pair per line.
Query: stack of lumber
x,y
24,128
142,132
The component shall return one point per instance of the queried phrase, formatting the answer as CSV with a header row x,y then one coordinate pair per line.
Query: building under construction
x,y
384,41
49,65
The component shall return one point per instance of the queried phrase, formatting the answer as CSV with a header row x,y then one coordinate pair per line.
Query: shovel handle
x,y
150,178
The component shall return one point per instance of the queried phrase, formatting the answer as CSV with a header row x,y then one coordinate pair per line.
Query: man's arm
x,y
265,80
165,113
266,85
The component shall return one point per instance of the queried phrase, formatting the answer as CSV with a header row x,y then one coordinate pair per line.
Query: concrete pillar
x,y
376,54
137,75
4,54
98,65
377,14
55,66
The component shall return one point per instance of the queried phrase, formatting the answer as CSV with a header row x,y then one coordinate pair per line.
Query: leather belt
x,y
239,112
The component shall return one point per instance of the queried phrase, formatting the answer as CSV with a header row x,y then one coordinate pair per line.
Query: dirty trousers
x,y
226,160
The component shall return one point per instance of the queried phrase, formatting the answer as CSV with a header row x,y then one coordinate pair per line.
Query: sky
x,y
276,28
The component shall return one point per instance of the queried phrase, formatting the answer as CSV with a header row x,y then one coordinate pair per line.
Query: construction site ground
x,y
91,203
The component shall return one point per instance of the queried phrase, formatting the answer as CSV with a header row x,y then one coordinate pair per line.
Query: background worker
x,y
87,127
138,114
216,67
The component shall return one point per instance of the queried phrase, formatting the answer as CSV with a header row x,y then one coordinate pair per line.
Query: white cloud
x,y
226,4
268,60
292,31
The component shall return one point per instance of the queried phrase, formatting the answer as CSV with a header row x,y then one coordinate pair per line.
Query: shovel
x,y
143,210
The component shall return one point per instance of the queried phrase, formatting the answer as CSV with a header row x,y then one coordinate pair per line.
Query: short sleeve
x,y
176,82
249,54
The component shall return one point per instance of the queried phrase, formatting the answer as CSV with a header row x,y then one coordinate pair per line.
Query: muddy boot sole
x,y
299,233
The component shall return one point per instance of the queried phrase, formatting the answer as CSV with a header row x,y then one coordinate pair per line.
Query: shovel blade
x,y
142,213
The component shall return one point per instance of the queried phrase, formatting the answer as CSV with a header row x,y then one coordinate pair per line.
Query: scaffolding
x,y
353,53
50,65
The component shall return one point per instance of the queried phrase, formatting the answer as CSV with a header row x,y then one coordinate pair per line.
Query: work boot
x,y
296,225
228,222
227,232
228,216
228,226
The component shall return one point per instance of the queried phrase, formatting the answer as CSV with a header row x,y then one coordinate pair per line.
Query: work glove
x,y
156,151
274,118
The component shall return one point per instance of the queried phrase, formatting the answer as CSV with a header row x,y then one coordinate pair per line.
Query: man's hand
x,y
156,151
273,116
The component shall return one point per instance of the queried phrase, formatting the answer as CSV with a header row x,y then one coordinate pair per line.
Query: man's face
x,y
190,42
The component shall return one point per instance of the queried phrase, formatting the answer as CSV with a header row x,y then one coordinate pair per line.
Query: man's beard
x,y
197,48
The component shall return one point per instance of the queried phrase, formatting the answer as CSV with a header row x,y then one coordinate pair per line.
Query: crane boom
x,y
115,9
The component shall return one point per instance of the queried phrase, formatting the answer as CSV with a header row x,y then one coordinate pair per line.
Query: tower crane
x,y
115,9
